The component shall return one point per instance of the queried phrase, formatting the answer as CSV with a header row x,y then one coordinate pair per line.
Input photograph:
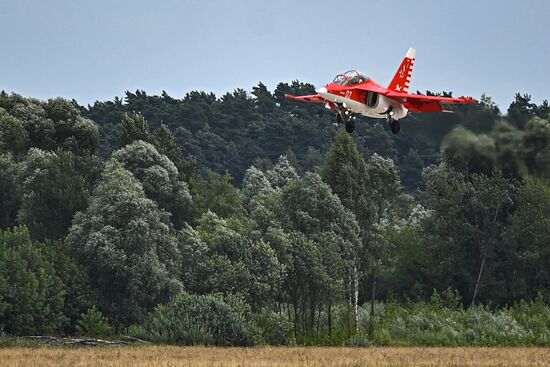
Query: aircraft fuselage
x,y
370,104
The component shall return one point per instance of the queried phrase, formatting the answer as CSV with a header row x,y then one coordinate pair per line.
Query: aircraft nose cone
x,y
322,90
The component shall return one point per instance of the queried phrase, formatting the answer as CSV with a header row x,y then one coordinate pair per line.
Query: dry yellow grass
x,y
273,357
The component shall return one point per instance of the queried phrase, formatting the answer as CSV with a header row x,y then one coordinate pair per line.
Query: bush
x,y
534,317
93,324
359,341
275,329
199,320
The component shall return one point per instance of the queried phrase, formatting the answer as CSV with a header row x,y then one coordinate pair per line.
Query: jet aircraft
x,y
354,93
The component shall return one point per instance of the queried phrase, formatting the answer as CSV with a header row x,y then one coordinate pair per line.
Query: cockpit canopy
x,y
350,78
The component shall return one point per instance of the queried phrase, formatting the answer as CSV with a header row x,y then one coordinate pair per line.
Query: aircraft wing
x,y
311,98
421,103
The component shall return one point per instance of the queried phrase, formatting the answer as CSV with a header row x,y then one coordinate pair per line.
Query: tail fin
x,y
402,78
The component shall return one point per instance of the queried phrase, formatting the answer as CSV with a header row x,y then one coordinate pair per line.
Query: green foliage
x,y
255,182
434,324
216,193
464,234
125,243
319,248
199,320
235,263
522,110
468,152
93,324
275,328
214,130
194,254
409,268
535,146
133,127
514,152
59,109
42,290
281,173
166,144
159,178
528,238
345,171
76,287
508,149
52,191
31,293
411,170
359,341
55,124
40,129
13,136
300,249
72,132
9,190
383,179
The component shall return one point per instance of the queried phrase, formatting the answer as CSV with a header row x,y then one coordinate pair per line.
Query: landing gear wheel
x,y
395,126
350,126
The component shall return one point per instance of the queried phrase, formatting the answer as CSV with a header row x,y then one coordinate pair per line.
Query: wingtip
x,y
411,53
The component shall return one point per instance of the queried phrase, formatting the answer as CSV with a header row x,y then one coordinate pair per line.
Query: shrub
x,y
534,317
359,341
199,319
430,325
93,324
275,328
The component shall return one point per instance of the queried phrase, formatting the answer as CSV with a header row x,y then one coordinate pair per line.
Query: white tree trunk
x,y
478,281
356,297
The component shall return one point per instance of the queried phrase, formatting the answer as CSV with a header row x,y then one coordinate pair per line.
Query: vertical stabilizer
x,y
402,78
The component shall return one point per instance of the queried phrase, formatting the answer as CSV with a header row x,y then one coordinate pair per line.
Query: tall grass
x,y
161,356
434,324
441,322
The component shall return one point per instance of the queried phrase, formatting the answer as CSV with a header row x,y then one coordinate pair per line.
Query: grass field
x,y
276,357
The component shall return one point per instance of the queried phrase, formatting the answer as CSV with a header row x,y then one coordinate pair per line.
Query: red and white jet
x,y
355,93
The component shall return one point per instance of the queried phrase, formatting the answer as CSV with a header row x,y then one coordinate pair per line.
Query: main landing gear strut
x,y
346,118
395,126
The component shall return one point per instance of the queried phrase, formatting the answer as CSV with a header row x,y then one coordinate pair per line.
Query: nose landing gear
x,y
347,119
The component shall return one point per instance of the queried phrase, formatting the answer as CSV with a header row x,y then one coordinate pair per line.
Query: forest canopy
x,y
125,215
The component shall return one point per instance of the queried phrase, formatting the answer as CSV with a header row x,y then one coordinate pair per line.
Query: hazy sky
x,y
95,50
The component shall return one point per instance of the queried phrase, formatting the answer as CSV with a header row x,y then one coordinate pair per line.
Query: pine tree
x,y
345,172
166,144
134,127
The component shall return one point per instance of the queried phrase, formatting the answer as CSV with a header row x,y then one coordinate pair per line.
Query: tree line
x,y
150,212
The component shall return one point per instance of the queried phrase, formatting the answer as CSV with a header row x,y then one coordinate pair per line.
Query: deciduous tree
x,y
125,243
